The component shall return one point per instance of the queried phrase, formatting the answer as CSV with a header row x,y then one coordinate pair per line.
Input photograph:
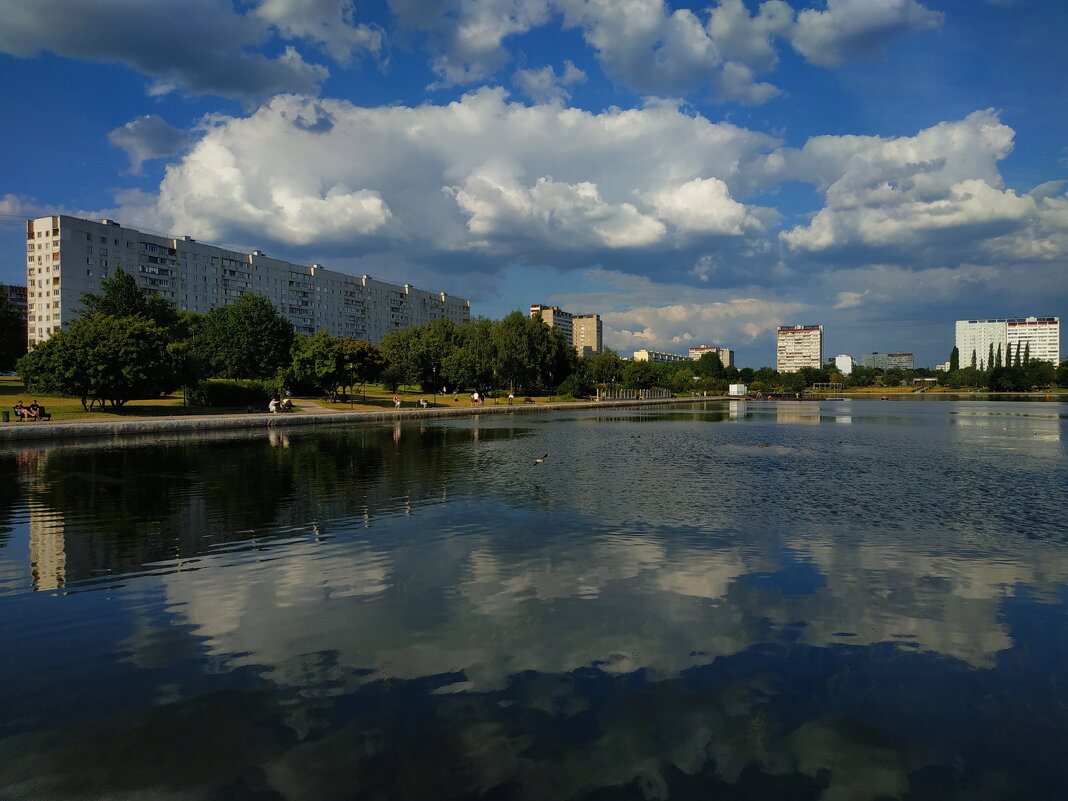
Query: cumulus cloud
x,y
851,29
330,23
545,86
466,39
704,205
649,48
480,175
156,38
940,190
652,48
148,137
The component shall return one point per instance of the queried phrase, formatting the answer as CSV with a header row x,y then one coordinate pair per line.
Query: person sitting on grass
x,y
286,405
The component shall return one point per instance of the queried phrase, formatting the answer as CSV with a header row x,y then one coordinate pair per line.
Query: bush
x,y
575,386
228,393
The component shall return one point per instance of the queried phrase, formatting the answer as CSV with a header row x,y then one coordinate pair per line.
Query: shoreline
x,y
17,433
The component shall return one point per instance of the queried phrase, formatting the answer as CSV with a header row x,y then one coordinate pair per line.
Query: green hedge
x,y
230,393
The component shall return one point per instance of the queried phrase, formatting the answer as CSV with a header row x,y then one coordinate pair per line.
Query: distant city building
x,y
583,331
889,361
844,363
587,334
726,355
16,298
942,368
658,356
798,346
1039,337
66,256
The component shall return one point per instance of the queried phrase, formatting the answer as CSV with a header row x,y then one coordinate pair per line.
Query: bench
x,y
42,414
528,400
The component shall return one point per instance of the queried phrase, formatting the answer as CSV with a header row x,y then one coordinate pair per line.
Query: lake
x,y
804,600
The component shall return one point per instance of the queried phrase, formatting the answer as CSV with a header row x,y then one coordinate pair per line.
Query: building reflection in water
x,y
738,616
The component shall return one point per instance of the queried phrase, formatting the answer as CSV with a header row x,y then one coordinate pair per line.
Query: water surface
x,y
837,600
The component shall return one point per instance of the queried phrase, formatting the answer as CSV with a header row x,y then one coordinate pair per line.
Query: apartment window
x,y
88,248
89,273
103,240
89,237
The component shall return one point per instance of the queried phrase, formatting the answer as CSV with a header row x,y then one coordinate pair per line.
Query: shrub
x,y
230,393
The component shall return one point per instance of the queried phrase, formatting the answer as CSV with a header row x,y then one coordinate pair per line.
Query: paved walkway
x,y
307,413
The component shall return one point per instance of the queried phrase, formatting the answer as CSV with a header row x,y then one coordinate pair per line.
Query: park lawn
x,y
62,408
377,397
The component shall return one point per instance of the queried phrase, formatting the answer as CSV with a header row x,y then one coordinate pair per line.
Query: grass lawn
x,y
376,397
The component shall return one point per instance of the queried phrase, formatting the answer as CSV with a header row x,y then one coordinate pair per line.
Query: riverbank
x,y
17,433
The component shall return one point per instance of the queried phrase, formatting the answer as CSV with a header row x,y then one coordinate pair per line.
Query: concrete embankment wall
x,y
17,433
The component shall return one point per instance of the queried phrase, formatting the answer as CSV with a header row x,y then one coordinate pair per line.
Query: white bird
x,y
542,459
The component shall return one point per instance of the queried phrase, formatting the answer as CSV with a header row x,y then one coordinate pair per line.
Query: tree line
x,y
124,345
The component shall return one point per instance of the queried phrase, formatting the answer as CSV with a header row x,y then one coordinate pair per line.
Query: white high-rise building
x,y
798,346
66,256
583,331
1039,337
726,355
844,363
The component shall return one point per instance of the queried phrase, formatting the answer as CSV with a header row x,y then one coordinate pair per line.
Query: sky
x,y
695,174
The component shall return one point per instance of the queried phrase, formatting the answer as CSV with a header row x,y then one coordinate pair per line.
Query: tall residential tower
x,y
798,346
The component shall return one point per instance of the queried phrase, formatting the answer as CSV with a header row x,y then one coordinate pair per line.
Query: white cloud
x,y
155,39
467,38
704,205
148,137
851,29
479,175
330,23
545,86
568,215
939,189
748,40
849,300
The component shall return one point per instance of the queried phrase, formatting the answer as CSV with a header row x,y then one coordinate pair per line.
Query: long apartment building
x,y
66,256
583,331
726,355
889,361
798,346
658,356
1039,337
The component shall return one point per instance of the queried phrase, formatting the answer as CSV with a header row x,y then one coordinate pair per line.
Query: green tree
x,y
639,375
12,332
605,367
513,353
120,296
710,366
1061,374
103,359
954,359
399,350
246,339
974,364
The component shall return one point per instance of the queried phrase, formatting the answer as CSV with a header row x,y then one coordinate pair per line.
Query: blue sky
x,y
694,174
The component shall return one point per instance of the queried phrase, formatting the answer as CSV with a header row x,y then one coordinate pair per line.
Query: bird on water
x,y
542,459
